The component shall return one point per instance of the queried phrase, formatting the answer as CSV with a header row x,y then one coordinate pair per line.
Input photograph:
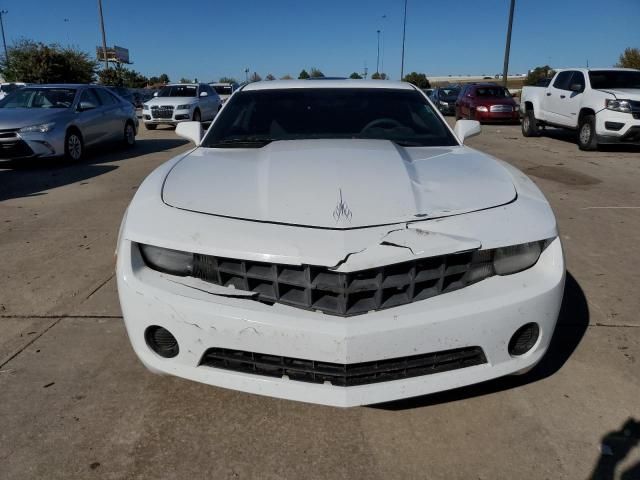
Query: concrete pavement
x,y
76,403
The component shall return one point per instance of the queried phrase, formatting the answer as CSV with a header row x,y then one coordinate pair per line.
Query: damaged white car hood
x,y
337,184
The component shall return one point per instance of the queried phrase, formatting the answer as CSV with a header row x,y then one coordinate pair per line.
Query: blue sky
x,y
207,39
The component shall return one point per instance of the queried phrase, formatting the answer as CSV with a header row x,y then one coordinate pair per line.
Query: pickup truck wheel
x,y
587,133
530,125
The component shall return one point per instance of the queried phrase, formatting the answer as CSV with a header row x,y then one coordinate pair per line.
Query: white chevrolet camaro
x,y
335,242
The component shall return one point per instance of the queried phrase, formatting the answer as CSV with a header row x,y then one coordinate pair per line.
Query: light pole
x,y
507,48
4,41
378,58
384,17
246,75
104,36
404,34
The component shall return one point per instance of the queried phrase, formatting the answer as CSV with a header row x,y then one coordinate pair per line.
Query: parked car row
x,y
181,102
63,120
485,102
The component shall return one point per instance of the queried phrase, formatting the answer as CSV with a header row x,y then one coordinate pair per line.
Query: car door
x,y
553,103
89,117
572,99
112,116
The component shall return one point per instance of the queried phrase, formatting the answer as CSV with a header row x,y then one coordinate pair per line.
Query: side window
x,y
563,80
105,98
578,78
90,98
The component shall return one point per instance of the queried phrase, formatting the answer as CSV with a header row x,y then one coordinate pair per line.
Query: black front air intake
x,y
340,374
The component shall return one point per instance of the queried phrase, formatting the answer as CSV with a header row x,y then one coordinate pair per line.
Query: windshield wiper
x,y
242,142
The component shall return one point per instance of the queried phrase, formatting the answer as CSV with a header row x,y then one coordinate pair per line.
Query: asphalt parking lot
x,y
76,403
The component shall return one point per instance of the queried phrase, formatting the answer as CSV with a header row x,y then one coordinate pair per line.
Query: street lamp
x,y
404,34
104,36
4,41
507,48
378,58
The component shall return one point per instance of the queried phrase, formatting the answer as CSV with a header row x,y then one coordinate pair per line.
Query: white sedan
x,y
335,242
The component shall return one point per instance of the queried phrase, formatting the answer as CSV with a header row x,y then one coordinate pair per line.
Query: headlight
x,y
165,260
145,106
516,258
618,105
43,128
183,107
482,109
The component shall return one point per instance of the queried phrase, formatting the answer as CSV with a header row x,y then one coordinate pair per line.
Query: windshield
x,y
179,91
614,79
449,92
254,118
223,89
39,98
492,92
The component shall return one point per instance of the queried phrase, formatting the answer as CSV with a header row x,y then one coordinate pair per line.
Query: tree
x,y
269,77
154,80
164,78
286,77
315,73
227,80
110,76
355,76
303,75
537,74
122,77
36,62
185,80
420,80
630,58
378,76
255,77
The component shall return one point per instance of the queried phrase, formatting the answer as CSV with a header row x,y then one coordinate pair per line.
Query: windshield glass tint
x,y
402,116
179,91
614,79
491,92
222,89
39,98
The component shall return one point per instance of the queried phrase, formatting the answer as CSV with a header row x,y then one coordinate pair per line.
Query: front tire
x,y
73,146
587,133
129,135
530,126
196,116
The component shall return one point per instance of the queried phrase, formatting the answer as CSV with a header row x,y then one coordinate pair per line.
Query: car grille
x,y
163,111
340,374
635,109
501,108
12,146
345,294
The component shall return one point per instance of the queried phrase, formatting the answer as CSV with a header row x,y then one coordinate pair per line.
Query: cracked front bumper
x,y
484,315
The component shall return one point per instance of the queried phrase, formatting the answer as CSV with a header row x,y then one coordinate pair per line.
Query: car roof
x,y
296,84
603,69
63,85
183,84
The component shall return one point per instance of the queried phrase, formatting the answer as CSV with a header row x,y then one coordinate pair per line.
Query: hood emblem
x,y
342,210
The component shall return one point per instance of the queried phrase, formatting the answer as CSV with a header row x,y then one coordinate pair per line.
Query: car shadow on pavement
x,y
573,321
614,448
570,136
26,178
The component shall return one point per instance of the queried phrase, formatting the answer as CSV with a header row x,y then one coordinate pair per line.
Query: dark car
x,y
444,98
124,93
486,102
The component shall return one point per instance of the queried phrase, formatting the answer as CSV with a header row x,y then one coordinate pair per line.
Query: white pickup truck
x,y
602,105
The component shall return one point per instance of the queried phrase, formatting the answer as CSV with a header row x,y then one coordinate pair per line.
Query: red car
x,y
486,102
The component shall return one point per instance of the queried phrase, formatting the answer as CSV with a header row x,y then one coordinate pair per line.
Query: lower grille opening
x,y
340,374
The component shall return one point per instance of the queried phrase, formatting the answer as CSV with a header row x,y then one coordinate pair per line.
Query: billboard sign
x,y
114,54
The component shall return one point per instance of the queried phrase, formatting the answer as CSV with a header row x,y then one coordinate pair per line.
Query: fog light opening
x,y
161,341
524,339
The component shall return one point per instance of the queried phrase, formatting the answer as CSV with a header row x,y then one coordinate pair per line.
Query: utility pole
x,y
505,71
404,34
378,58
384,17
4,41
246,75
104,36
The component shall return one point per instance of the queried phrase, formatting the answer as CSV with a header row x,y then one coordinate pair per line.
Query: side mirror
x,y
155,94
204,94
84,106
466,129
576,87
192,131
